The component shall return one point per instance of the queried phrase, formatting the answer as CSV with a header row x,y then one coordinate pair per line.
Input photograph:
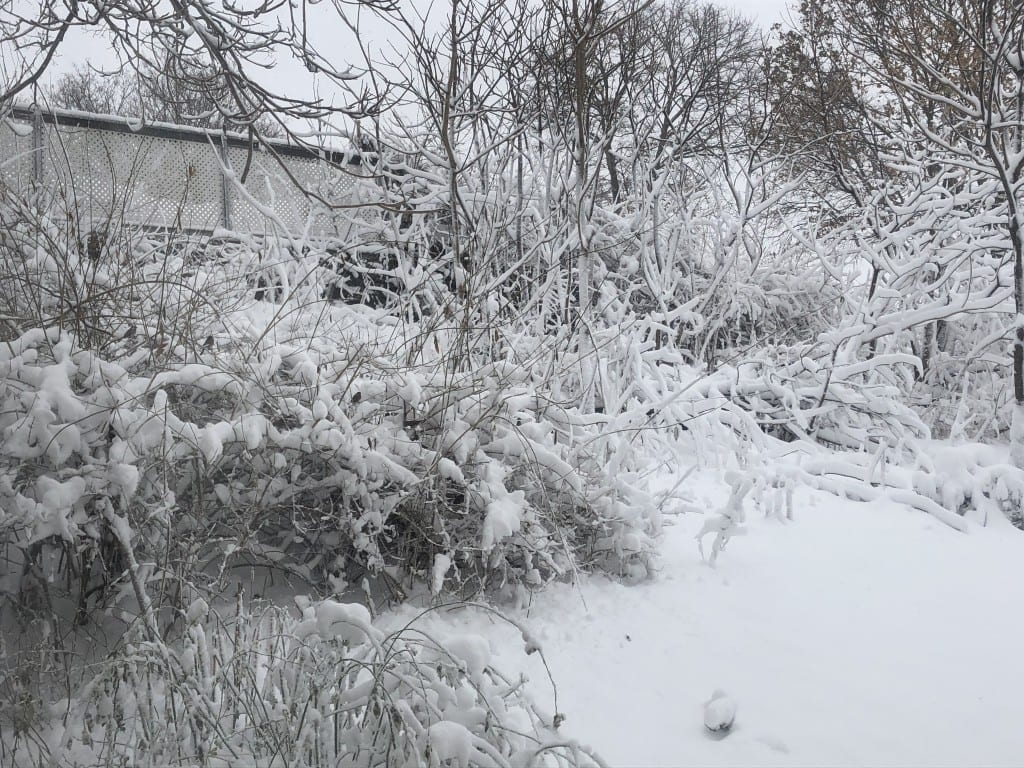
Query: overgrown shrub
x,y
328,442
142,461
328,688
301,460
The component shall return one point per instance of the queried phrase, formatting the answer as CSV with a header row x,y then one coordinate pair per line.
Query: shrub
x,y
329,688
328,442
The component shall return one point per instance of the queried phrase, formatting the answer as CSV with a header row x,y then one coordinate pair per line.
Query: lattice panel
x,y
147,180
16,154
269,187
345,223
366,218
99,175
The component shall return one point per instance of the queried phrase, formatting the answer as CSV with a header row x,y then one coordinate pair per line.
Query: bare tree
x,y
822,111
940,83
164,96
957,69
206,48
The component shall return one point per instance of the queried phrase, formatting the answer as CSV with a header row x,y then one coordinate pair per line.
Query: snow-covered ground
x,y
855,634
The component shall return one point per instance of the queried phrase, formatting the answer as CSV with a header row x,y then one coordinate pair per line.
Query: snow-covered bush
x,y
112,285
266,688
804,392
966,393
310,462
949,482
328,442
143,462
928,270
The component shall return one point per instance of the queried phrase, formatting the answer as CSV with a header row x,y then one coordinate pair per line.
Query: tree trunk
x,y
613,175
1017,420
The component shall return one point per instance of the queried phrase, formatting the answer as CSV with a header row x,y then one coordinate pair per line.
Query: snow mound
x,y
719,712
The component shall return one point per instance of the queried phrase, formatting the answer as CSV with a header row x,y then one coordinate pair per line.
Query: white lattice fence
x,y
16,156
100,168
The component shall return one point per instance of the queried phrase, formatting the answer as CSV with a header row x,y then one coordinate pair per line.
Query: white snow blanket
x,y
854,634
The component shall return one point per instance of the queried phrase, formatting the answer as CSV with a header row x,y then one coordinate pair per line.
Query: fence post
x,y
37,144
225,159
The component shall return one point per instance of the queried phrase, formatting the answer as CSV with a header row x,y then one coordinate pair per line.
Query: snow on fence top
x,y
103,167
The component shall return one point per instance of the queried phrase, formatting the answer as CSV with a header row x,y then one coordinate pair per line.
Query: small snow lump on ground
x,y
719,712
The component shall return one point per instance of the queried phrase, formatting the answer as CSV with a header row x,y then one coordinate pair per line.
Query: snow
x,y
471,651
719,712
449,741
22,130
197,611
124,476
855,634
344,622
1017,436
442,564
729,521
502,519
449,470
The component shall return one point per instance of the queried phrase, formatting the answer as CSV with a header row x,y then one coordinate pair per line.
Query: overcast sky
x,y
766,11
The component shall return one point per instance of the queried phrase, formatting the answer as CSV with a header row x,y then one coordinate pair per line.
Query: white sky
x,y
765,11
769,11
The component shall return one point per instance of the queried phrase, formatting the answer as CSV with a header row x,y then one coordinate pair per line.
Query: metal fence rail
x,y
101,168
